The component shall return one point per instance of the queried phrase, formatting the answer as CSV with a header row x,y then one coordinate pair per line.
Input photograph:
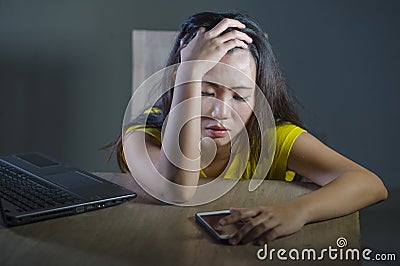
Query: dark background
x,y
65,77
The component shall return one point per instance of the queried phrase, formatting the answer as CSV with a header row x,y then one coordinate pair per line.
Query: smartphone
x,y
209,220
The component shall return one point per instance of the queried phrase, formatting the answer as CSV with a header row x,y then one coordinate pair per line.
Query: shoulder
x,y
313,159
288,128
286,135
154,132
146,123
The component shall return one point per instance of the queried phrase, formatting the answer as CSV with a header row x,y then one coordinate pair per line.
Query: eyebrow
x,y
241,88
233,88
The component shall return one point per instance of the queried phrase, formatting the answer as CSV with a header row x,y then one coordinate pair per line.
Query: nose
x,y
221,110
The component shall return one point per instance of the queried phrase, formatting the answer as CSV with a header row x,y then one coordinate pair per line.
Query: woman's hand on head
x,y
265,223
212,46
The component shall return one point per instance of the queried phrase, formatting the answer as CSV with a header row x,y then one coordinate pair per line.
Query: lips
x,y
217,130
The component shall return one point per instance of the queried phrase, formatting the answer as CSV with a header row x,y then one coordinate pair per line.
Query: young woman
x,y
219,113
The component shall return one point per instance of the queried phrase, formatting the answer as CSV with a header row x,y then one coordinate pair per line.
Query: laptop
x,y
35,187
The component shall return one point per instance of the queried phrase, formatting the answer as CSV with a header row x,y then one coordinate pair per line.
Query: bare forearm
x,y
346,194
180,154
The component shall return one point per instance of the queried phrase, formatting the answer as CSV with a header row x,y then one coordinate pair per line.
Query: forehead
x,y
237,70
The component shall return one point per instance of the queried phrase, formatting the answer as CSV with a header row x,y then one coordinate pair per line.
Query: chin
x,y
222,141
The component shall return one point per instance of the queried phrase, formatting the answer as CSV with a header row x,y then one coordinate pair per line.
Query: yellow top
x,y
286,134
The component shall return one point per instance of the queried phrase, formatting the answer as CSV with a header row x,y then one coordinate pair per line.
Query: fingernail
x,y
233,241
222,222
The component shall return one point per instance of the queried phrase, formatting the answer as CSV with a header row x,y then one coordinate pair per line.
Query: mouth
x,y
217,130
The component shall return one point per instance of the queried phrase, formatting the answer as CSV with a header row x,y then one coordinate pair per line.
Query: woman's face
x,y
228,96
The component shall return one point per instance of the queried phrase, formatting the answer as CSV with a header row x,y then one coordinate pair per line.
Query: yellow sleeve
x,y
154,132
286,134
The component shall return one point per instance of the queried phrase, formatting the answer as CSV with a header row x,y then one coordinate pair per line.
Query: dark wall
x,y
65,72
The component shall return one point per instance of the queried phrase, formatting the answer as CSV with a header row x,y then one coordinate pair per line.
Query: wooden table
x,y
146,232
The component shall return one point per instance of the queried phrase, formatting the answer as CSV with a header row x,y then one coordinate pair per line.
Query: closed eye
x,y
239,98
203,93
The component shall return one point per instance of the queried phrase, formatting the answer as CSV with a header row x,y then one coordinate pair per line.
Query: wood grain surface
x,y
146,231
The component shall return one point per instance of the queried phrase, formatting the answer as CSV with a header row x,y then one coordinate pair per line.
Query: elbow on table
x,y
384,193
181,195
379,189
183,187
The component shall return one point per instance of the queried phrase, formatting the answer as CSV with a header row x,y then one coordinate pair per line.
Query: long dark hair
x,y
269,79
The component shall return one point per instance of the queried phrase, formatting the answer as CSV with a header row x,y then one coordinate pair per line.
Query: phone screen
x,y
211,220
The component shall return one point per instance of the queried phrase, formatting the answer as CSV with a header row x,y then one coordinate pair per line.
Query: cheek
x,y
244,113
205,107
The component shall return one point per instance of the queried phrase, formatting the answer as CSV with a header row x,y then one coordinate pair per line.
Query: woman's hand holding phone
x,y
209,220
264,223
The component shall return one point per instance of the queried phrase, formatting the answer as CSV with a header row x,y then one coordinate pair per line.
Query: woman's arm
x,y
347,187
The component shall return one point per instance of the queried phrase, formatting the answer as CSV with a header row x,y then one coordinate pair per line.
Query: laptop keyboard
x,y
27,193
